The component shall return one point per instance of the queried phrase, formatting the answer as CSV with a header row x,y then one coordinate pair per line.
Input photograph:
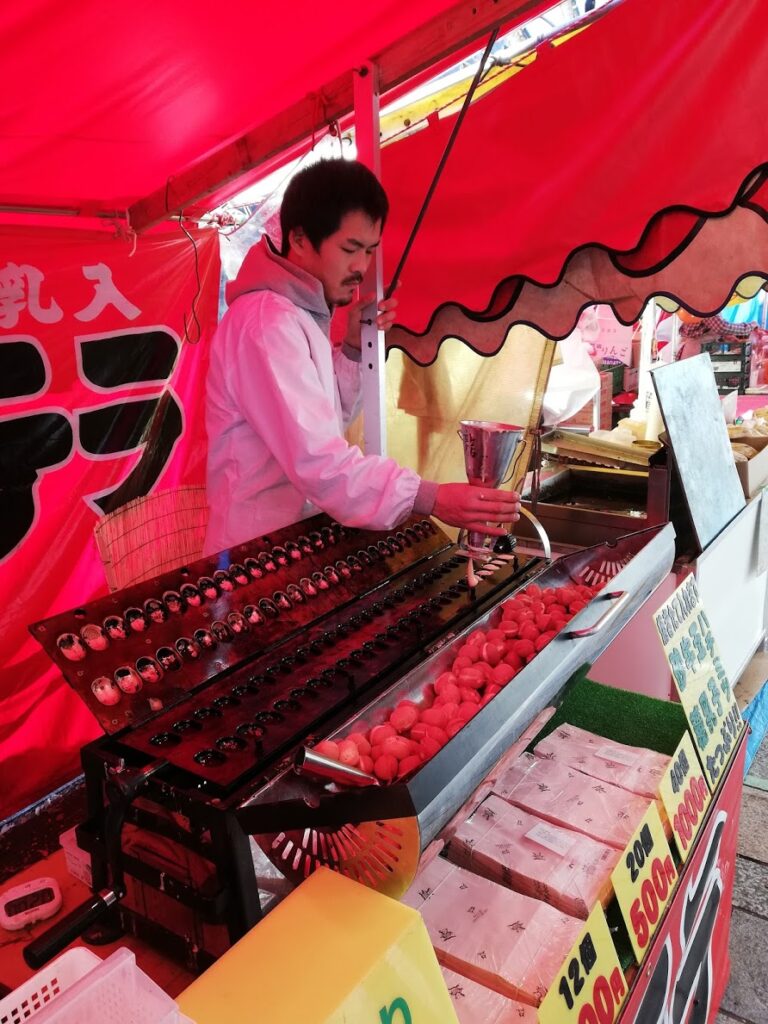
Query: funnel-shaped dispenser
x,y
488,452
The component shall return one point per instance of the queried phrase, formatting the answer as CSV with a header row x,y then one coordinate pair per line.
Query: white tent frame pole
x,y
647,335
373,366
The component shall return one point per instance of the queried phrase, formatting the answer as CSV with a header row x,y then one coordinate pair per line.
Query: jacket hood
x,y
263,269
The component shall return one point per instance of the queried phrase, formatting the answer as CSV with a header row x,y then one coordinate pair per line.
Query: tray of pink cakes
x,y
412,729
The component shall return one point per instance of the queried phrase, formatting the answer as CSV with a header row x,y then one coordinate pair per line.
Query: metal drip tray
x,y
587,505
622,492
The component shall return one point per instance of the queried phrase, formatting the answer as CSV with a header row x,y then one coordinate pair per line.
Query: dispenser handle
x,y
620,597
539,528
58,937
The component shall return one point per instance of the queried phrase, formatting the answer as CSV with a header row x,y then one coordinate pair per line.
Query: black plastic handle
x,y
66,930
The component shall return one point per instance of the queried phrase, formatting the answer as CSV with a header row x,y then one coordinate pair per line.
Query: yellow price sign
x,y
590,987
685,795
644,880
701,681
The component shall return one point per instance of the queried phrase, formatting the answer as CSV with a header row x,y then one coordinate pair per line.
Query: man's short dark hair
x,y
319,196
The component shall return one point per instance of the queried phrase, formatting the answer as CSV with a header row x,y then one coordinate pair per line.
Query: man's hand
x,y
357,312
472,508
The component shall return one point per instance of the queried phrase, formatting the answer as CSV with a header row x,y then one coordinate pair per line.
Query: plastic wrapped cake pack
x,y
512,847
476,1004
567,797
508,942
636,769
486,787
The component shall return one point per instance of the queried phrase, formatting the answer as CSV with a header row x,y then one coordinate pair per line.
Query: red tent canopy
x,y
588,178
104,104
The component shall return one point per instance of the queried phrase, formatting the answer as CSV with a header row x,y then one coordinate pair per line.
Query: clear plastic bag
x,y
572,383
634,768
476,1004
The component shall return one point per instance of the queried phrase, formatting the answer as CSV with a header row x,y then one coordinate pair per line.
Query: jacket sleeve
x,y
279,392
346,363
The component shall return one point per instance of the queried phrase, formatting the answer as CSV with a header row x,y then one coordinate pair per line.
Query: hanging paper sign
x,y
610,339
644,880
701,681
685,795
590,987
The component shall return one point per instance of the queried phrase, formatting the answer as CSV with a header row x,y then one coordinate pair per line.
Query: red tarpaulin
x,y
623,134
103,103
101,400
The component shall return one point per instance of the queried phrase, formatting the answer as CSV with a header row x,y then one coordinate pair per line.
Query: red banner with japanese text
x,y
103,353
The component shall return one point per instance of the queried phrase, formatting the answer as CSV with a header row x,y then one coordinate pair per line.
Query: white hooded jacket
x,y
279,397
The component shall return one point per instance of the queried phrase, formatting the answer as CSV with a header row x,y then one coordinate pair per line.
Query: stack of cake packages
x,y
521,871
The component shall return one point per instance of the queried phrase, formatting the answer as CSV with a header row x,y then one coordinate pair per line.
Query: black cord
x,y
443,160
197,293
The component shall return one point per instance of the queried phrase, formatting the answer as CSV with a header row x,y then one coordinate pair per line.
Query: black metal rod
x,y
443,160
69,928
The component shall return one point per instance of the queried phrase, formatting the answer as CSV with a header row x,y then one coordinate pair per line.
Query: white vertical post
x,y
647,334
366,90
674,340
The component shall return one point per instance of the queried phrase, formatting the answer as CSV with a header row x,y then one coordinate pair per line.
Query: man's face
x,y
342,259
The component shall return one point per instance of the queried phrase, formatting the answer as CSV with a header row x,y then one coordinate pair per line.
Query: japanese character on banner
x,y
105,294
20,290
42,441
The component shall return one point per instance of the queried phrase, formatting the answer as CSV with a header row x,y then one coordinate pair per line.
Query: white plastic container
x,y
78,861
79,988
57,976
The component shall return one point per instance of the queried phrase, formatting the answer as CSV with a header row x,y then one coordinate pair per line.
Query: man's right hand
x,y
473,508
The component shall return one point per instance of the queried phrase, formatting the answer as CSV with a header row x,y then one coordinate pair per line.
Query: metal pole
x,y
645,390
366,94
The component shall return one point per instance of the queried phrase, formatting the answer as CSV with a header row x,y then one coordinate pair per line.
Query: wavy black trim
x,y
615,257
693,310
743,194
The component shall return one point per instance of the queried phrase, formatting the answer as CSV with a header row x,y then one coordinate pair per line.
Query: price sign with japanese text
x,y
701,681
590,987
685,795
644,880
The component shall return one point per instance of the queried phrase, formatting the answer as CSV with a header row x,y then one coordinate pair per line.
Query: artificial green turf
x,y
618,715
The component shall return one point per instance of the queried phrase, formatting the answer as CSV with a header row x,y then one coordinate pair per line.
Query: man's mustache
x,y
354,279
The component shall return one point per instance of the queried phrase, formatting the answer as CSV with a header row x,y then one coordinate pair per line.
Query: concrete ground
x,y
746,999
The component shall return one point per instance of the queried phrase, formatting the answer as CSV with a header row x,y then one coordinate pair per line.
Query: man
x,y
279,395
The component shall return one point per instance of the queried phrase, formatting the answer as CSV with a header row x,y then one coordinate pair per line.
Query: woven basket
x,y
152,534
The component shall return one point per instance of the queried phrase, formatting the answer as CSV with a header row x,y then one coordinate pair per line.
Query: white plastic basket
x,y
78,988
57,976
